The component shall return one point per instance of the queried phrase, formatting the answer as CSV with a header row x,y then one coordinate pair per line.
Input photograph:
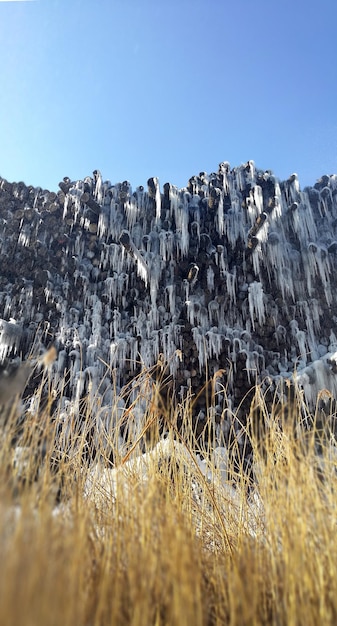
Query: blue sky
x,y
167,88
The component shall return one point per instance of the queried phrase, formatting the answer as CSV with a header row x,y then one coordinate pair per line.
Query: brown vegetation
x,y
176,547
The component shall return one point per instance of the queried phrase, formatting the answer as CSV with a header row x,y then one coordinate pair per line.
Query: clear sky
x,y
167,88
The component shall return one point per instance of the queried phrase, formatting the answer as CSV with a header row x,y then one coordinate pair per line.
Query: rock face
x,y
233,276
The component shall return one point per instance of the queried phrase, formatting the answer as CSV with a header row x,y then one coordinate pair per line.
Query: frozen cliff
x,y
233,275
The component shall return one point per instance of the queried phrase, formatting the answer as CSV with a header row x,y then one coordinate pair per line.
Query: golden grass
x,y
170,546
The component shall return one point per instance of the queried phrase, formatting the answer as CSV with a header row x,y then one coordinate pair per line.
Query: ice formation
x,y
234,274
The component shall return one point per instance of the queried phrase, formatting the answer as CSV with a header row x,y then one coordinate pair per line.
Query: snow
x,y
106,486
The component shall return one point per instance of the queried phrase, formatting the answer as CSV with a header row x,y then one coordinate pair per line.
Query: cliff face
x,y
234,275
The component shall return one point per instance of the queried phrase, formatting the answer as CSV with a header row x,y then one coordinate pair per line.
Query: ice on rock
x,y
114,284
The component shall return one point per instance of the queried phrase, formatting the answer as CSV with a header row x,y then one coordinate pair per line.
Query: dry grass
x,y
166,546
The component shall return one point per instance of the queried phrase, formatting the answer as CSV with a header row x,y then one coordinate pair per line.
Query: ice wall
x,y
235,274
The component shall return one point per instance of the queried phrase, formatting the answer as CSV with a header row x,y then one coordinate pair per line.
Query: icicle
x,y
154,194
147,351
258,199
79,246
293,188
250,172
140,197
213,311
179,208
174,199
182,234
317,259
116,325
252,367
231,286
10,337
166,239
304,222
171,289
199,340
142,268
225,174
99,189
214,339
111,288
233,219
210,279
323,264
96,321
119,352
186,289
24,235
48,290
169,347
158,200
256,303
103,224
195,232
220,216
239,178
332,342
220,259
280,334
299,335
310,314
236,349
326,201
193,310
